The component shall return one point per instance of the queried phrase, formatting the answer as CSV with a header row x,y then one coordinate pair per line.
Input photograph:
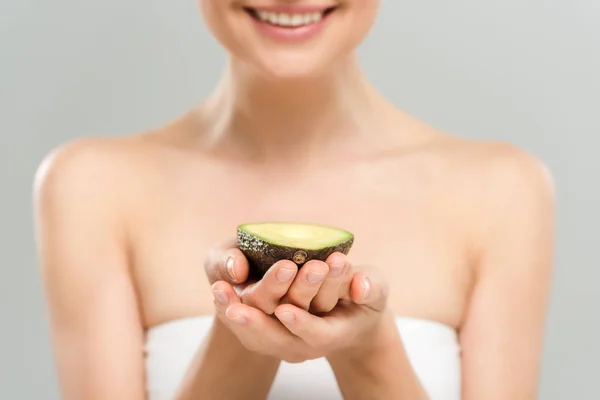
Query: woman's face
x,y
289,38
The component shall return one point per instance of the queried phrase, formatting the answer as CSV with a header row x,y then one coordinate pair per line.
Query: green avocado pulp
x,y
297,235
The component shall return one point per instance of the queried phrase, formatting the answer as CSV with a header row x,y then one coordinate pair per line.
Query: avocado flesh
x,y
264,244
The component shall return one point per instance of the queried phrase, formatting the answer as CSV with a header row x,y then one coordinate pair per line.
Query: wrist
x,y
378,367
223,338
223,359
379,340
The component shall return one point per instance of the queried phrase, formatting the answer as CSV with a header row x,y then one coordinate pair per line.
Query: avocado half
x,y
265,243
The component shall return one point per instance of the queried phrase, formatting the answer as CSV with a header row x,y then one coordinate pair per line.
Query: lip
x,y
293,8
292,34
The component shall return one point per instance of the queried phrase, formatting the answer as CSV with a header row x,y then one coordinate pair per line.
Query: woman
x,y
442,296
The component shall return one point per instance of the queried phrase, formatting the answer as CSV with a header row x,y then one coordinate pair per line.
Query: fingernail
x,y
336,270
221,296
285,274
286,317
367,287
234,317
315,277
229,265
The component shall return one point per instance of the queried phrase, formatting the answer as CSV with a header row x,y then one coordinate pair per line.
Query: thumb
x,y
370,288
226,262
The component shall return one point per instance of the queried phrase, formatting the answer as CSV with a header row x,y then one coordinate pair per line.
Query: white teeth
x,y
292,20
285,19
297,20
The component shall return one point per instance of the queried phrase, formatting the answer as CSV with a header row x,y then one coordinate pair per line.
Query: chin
x,y
292,66
290,40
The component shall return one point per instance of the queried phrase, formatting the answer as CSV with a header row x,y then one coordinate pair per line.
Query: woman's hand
x,y
295,335
317,286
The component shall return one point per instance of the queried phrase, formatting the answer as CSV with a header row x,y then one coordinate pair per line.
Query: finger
x,y
370,288
317,332
257,331
307,284
227,264
266,294
264,335
336,283
223,296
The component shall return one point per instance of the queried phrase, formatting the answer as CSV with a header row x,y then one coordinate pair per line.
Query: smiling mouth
x,y
287,20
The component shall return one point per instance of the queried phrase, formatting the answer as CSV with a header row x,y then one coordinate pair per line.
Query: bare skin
x,y
461,230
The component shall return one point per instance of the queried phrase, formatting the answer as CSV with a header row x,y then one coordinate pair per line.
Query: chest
x,y
399,226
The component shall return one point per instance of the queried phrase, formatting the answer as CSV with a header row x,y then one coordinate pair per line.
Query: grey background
x,y
525,71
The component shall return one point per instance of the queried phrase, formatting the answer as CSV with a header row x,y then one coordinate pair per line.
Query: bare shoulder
x,y
492,173
508,177
94,167
509,164
507,196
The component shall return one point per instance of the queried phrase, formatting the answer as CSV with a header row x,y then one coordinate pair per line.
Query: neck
x,y
271,118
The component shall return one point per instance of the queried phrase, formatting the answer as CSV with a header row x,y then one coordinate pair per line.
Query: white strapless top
x,y
432,349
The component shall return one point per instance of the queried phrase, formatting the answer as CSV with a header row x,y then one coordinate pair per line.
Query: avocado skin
x,y
262,255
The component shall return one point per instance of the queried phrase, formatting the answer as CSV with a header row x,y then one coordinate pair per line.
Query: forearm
x,y
224,369
379,370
